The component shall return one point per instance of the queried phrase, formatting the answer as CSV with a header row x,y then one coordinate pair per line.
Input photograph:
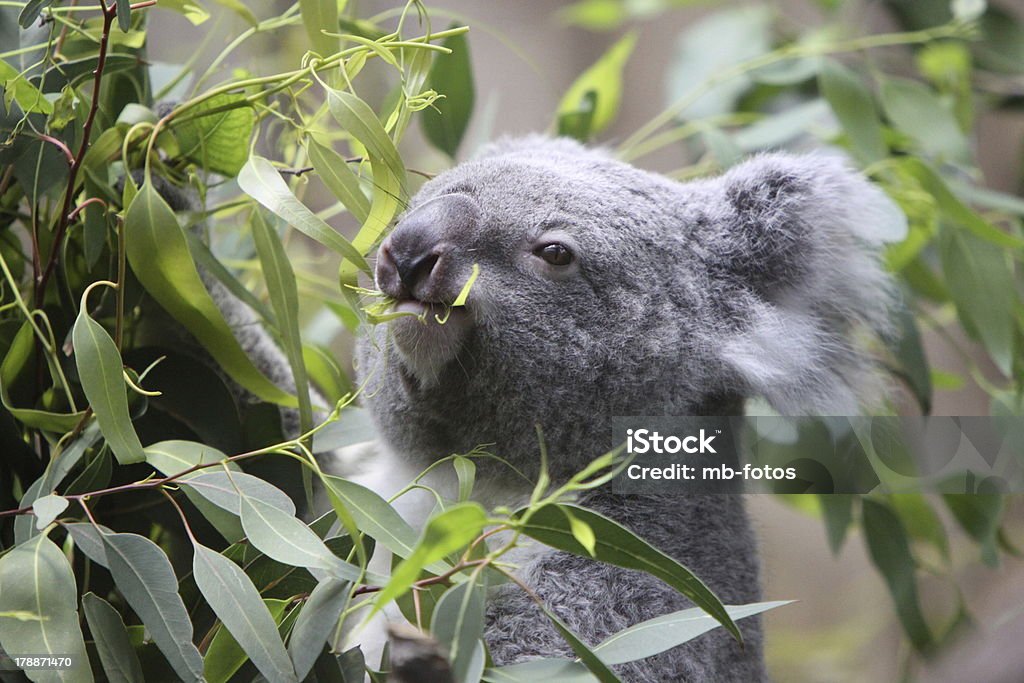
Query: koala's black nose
x,y
416,258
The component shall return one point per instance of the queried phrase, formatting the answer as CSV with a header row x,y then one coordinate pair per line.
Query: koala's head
x,y
607,290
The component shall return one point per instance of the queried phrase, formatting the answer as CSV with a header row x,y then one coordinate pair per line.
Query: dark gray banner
x,y
820,455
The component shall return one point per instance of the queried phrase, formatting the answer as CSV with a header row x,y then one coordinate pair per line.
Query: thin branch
x,y
109,14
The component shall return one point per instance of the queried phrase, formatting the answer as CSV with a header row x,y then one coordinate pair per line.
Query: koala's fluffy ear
x,y
800,236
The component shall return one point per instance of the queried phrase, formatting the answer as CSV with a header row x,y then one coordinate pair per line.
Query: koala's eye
x,y
555,253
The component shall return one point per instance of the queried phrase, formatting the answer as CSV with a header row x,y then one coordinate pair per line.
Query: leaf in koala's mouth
x,y
428,341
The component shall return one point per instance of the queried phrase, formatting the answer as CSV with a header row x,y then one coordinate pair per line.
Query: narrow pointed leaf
x,y
237,603
282,537
261,181
158,253
316,622
619,546
339,178
120,663
451,75
102,374
446,533
284,298
458,623
662,633
36,579
144,577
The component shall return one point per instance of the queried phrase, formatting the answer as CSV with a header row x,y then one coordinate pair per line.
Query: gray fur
x,y
685,300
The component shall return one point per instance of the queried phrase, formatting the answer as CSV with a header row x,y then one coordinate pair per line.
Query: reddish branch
x,y
109,14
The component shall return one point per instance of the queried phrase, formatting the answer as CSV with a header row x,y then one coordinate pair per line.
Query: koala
x,y
607,290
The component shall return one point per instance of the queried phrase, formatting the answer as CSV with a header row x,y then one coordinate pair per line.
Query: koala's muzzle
x,y
418,260
422,266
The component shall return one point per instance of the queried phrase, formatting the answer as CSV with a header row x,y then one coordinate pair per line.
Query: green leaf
x,y
120,663
618,546
458,623
36,579
890,551
920,521
225,656
316,622
579,124
191,10
124,15
31,12
216,138
710,47
174,457
373,515
238,605
981,281
837,509
102,375
144,577
19,89
319,16
261,181
446,533
465,469
284,538
239,8
955,210
604,79
584,653
47,508
284,298
979,515
656,635
914,368
343,183
451,75
389,178
158,253
561,670
855,108
221,489
19,356
919,113
89,540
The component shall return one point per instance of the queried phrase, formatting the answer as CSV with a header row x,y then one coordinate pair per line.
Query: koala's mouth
x,y
428,340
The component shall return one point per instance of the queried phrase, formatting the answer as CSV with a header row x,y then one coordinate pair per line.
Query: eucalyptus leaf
x,y
238,605
451,75
120,663
890,551
144,577
855,108
316,622
662,633
36,579
334,171
604,79
617,545
261,181
444,534
319,16
102,375
47,508
158,253
284,297
458,623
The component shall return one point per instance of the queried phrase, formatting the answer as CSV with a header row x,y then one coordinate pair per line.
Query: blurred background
x,y
524,57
